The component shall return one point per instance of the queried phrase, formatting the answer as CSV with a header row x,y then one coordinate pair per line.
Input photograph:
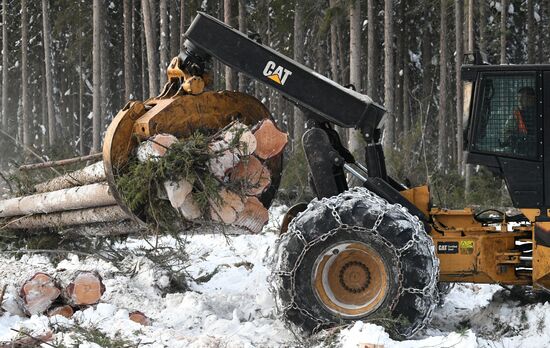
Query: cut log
x,y
68,218
89,175
65,311
251,176
222,159
227,210
240,136
155,147
254,216
139,318
38,293
86,289
162,142
178,191
88,196
190,209
270,140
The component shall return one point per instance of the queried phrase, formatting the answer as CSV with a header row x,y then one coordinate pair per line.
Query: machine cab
x,y
505,122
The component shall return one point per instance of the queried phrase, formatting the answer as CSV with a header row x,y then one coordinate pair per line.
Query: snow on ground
x,y
233,306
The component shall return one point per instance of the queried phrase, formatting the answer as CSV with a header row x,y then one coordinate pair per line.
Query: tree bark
x,y
48,73
24,76
503,20
163,8
104,91
299,37
88,196
530,32
96,62
355,65
151,42
371,44
128,51
230,74
334,73
459,46
88,216
93,173
174,29
4,65
442,145
388,75
482,25
243,80
183,24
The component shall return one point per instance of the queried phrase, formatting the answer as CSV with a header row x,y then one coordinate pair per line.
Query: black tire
x,y
399,241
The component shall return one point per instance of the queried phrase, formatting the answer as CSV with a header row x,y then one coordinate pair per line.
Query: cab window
x,y
507,122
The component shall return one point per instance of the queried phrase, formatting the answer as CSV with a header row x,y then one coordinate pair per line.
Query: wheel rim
x,y
350,279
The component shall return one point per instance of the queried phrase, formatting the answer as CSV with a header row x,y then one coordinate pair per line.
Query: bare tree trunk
x,y
503,20
406,99
143,54
334,73
482,47
230,74
442,146
355,65
163,8
299,37
459,46
105,70
183,24
151,41
530,32
388,74
24,76
128,51
371,42
174,29
48,72
97,30
482,25
4,65
400,51
243,80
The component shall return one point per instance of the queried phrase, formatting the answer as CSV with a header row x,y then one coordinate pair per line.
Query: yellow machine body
x,y
470,251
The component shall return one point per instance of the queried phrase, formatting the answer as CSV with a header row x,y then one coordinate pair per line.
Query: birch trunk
x,y
88,196
91,174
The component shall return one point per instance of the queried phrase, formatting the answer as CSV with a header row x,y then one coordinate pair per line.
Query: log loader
x,y
377,250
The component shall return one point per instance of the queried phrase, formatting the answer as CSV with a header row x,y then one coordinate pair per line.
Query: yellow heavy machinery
x,y
380,249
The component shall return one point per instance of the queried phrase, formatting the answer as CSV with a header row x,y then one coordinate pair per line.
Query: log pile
x,y
41,294
238,159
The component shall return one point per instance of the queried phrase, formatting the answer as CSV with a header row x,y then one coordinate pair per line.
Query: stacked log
x,y
239,158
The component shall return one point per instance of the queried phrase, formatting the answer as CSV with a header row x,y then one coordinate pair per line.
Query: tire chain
x,y
430,290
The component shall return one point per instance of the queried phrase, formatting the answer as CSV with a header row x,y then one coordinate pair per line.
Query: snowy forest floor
x,y
231,305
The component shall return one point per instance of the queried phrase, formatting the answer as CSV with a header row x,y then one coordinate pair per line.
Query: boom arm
x,y
333,103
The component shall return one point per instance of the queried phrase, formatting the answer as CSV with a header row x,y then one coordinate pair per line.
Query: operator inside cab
x,y
520,128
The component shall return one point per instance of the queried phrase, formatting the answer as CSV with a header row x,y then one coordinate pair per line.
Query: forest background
x,y
68,67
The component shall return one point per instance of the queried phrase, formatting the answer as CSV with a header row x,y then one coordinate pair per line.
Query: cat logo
x,y
277,74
